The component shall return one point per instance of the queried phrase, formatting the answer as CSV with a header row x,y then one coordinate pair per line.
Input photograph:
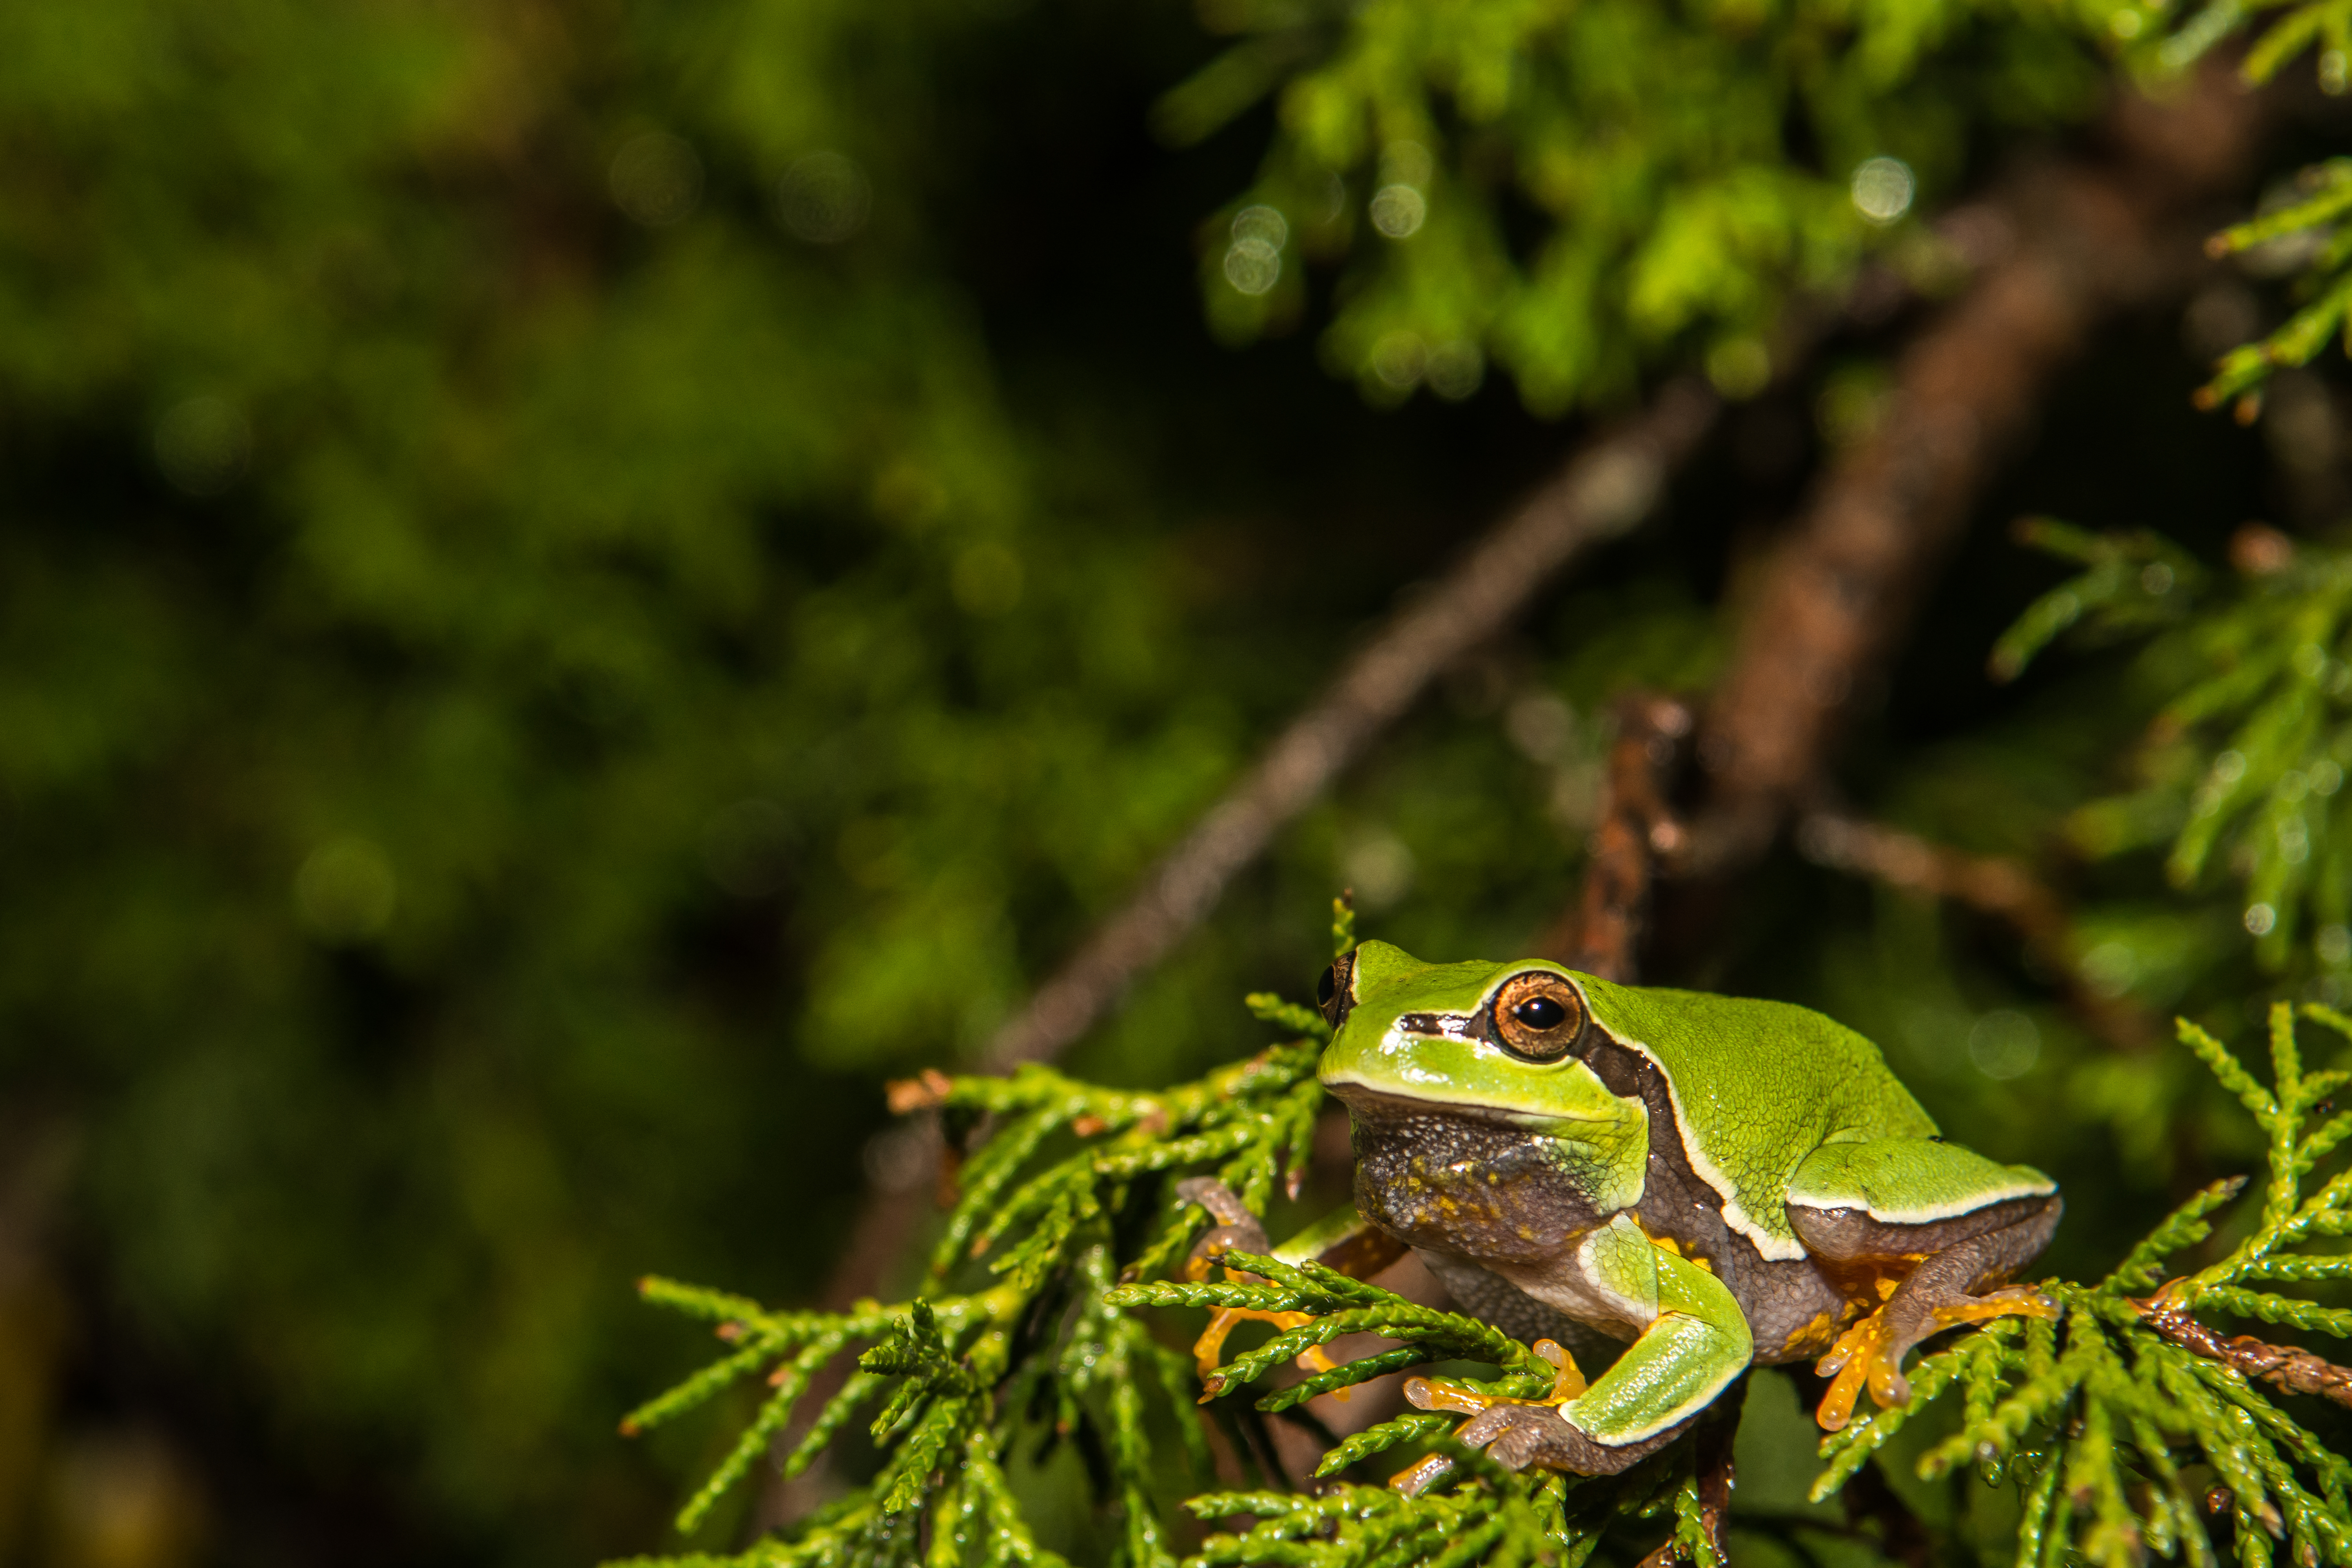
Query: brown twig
x,y
1602,933
2296,1371
2086,241
1609,486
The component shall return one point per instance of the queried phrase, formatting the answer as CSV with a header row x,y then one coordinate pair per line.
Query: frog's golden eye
x,y
1332,992
1538,1017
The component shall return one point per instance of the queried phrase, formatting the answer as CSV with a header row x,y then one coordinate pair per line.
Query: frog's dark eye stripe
x,y
1538,1015
1334,992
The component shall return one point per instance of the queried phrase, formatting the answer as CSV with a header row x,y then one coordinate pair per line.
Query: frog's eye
x,y
1331,991
1538,1017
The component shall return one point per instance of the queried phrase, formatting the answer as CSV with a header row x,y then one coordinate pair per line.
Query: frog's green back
x,y
1757,1087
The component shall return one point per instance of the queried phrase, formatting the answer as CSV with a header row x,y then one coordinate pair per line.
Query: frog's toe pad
x,y
1209,1350
1863,1354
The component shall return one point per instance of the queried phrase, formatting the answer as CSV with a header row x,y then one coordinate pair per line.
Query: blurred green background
x,y
580,583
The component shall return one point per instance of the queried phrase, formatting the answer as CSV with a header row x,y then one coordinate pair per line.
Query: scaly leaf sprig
x,y
2133,582
2307,235
1065,1178
2098,1414
2248,756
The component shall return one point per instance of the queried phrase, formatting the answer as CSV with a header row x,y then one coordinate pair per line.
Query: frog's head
x,y
1502,1041
1478,1123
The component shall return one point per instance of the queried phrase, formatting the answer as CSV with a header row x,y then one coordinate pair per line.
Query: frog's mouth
x,y
1479,1181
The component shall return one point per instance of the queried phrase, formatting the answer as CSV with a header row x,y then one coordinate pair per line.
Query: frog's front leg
x,y
1341,1241
1693,1342
1920,1227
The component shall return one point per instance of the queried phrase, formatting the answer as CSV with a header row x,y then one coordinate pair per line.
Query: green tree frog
x,y
1718,1182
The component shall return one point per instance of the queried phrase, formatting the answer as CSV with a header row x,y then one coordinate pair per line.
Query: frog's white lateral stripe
x,y
1926,1214
1767,1242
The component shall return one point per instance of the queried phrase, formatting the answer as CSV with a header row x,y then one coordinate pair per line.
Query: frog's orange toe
x,y
1853,1362
1429,1393
1209,1350
2016,1302
1869,1355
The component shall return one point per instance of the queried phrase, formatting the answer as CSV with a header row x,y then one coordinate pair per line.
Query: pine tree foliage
x,y
2306,235
2122,1420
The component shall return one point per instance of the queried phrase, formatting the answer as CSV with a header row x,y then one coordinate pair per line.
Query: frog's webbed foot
x,y
1236,1230
1517,1432
1922,1278
1517,1435
1870,1353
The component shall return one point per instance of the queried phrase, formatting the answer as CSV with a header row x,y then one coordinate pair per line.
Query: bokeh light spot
x,y
1456,369
1380,869
2004,1044
1263,224
1253,267
1398,359
1883,189
1399,211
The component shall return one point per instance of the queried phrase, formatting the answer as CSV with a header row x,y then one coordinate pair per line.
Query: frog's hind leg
x,y
1925,1274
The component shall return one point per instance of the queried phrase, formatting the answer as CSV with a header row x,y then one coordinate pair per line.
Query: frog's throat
x,y
1365,1100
